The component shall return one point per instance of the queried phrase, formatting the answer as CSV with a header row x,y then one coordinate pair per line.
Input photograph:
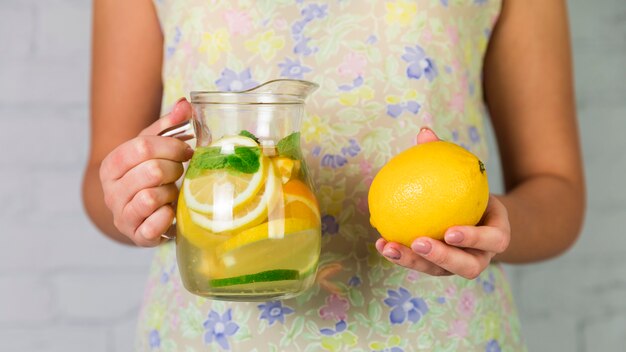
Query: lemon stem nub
x,y
482,167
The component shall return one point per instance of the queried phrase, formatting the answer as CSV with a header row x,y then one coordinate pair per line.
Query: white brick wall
x,y
63,287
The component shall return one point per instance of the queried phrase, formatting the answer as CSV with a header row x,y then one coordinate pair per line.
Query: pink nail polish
x,y
421,247
177,105
454,237
391,253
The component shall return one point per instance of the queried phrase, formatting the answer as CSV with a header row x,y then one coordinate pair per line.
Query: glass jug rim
x,y
232,98
271,92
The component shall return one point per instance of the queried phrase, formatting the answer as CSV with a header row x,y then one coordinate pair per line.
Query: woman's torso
x,y
385,69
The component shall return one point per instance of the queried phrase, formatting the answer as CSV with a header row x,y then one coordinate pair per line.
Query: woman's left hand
x,y
465,251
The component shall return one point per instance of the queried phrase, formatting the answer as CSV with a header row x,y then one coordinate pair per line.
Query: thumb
x,y
426,135
181,112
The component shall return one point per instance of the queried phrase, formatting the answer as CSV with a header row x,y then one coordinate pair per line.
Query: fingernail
x,y
189,152
426,130
391,253
454,237
421,247
177,104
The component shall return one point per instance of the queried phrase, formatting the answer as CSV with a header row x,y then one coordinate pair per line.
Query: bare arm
x,y
529,91
125,99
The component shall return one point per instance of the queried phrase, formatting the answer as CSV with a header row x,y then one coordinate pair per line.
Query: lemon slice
x,y
231,189
300,202
265,231
226,217
286,168
235,141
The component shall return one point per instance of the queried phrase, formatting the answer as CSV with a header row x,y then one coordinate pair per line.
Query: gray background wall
x,y
64,287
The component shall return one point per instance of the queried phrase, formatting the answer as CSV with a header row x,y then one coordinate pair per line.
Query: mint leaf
x,y
290,146
205,159
245,159
209,158
249,135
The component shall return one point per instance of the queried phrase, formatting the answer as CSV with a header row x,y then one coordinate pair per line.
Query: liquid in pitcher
x,y
248,221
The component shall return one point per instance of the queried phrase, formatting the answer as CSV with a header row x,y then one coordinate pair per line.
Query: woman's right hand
x,y
138,179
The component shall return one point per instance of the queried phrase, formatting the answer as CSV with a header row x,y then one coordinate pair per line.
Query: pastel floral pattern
x,y
404,307
385,69
336,308
419,64
219,328
274,311
231,81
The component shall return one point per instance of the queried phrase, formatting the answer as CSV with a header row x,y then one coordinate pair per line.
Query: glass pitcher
x,y
248,222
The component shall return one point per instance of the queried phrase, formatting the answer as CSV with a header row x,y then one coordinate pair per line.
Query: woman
x,y
386,69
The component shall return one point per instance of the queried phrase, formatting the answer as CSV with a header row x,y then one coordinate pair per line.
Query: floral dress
x,y
385,68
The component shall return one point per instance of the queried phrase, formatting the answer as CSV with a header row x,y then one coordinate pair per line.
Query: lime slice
x,y
264,276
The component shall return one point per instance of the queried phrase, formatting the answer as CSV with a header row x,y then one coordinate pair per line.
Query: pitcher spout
x,y
299,89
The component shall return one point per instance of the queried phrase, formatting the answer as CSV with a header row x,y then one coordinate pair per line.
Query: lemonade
x,y
248,222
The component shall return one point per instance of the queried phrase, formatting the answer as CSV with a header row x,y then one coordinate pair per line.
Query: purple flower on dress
x,y
231,81
392,349
372,39
354,281
273,311
219,328
171,49
444,2
455,135
329,225
302,47
489,284
297,28
441,300
395,110
316,151
314,11
492,346
404,307
352,150
473,133
333,161
480,2
339,327
165,277
419,63
293,69
155,339
357,82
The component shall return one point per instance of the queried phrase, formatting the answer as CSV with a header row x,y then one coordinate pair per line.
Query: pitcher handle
x,y
183,131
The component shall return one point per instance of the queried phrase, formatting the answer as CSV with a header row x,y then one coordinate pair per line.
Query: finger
x,y
139,149
403,256
181,112
151,173
452,259
146,202
380,244
496,214
149,233
426,135
484,238
494,236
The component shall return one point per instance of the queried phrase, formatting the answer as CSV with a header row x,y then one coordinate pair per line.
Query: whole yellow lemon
x,y
426,189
